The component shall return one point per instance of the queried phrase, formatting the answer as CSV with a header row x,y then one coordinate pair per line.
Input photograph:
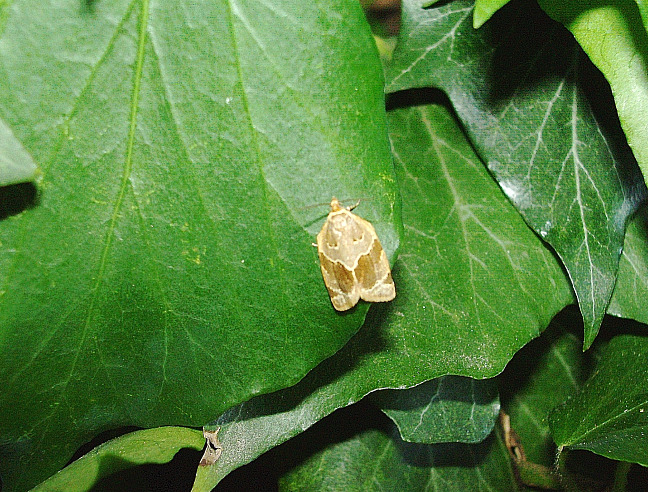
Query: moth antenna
x,y
325,204
351,207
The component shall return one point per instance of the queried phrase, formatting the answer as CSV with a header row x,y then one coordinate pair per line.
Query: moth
x,y
353,262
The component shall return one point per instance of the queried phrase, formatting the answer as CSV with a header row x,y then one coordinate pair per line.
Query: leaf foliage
x,y
167,170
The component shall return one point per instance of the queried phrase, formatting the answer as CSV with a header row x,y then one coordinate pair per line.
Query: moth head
x,y
335,205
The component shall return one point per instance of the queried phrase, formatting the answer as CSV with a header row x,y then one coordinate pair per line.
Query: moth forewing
x,y
374,275
354,265
340,283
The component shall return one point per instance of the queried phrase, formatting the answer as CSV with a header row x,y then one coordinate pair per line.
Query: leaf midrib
x,y
128,166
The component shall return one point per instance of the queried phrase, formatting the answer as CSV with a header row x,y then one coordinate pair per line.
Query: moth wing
x,y
340,283
374,275
353,262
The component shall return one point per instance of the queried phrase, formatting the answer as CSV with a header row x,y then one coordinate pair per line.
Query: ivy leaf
x,y
631,289
158,445
473,285
447,409
541,376
610,415
614,36
398,465
167,272
517,85
471,271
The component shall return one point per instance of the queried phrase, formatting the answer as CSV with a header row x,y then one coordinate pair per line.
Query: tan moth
x,y
353,263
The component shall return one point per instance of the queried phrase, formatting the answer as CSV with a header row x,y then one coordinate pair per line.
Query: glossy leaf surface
x,y
399,465
447,409
167,273
473,285
157,445
615,37
610,415
517,84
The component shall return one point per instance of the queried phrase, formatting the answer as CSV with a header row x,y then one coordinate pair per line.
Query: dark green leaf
x,y
610,415
613,34
16,165
631,289
157,445
516,84
167,273
375,460
473,285
542,375
473,277
447,409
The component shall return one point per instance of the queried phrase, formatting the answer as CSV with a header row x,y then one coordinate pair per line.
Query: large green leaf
x,y
376,459
473,276
167,272
614,36
610,415
447,409
517,85
16,165
473,285
158,445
